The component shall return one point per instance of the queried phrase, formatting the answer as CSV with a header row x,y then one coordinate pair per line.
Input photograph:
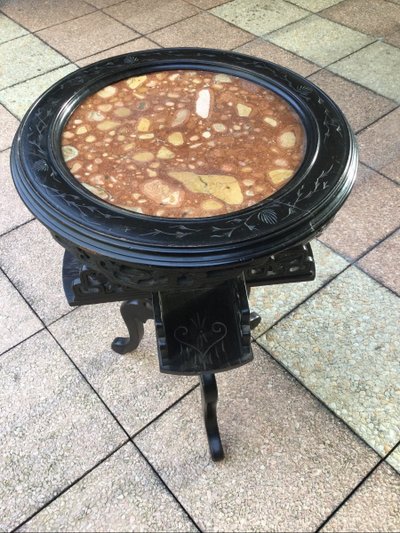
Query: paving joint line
x,y
355,489
7,147
66,489
196,386
351,263
88,383
264,35
46,328
108,49
114,417
171,406
32,78
377,120
43,41
319,400
325,67
9,110
337,252
101,8
120,423
381,173
17,227
158,475
147,35
153,31
33,32
68,356
379,282
109,410
159,415
67,313
21,342
18,36
254,37
327,282
313,12
374,245
317,14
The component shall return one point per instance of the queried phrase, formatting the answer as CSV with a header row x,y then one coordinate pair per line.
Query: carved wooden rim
x,y
292,215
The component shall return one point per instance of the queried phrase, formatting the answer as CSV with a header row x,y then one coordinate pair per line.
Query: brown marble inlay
x,y
183,143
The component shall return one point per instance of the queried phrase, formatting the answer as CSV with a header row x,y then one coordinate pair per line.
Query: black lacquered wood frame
x,y
292,215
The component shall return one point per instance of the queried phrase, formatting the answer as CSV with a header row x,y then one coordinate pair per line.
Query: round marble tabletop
x,y
184,143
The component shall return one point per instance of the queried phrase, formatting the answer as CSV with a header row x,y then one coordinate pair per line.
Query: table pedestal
x,y
199,331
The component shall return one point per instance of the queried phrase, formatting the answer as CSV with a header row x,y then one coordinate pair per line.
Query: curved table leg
x,y
209,396
255,319
134,313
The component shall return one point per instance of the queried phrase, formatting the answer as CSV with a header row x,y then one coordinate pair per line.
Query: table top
x,y
291,215
184,143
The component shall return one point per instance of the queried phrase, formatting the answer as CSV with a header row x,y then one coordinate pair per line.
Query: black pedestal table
x,y
191,276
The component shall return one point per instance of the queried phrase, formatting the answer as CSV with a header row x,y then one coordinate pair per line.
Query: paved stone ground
x,y
93,441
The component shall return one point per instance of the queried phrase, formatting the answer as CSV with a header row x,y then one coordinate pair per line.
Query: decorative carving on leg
x,y
85,286
203,331
134,313
209,397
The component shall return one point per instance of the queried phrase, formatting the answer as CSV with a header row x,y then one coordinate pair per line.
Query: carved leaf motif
x,y
129,60
200,338
304,91
268,216
40,166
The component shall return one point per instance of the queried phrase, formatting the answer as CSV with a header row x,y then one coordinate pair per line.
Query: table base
x,y
199,331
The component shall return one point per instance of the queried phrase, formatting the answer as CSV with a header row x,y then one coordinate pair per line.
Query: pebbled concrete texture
x,y
17,321
259,17
10,30
20,97
9,128
334,345
105,498
10,218
272,302
146,16
131,384
374,507
288,460
319,40
84,36
380,145
371,213
25,58
375,67
203,30
360,105
60,429
41,284
382,262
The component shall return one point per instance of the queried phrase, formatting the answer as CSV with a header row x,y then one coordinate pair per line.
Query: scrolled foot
x,y
123,345
134,313
255,320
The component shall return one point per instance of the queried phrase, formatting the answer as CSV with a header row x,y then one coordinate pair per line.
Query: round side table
x,y
191,275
